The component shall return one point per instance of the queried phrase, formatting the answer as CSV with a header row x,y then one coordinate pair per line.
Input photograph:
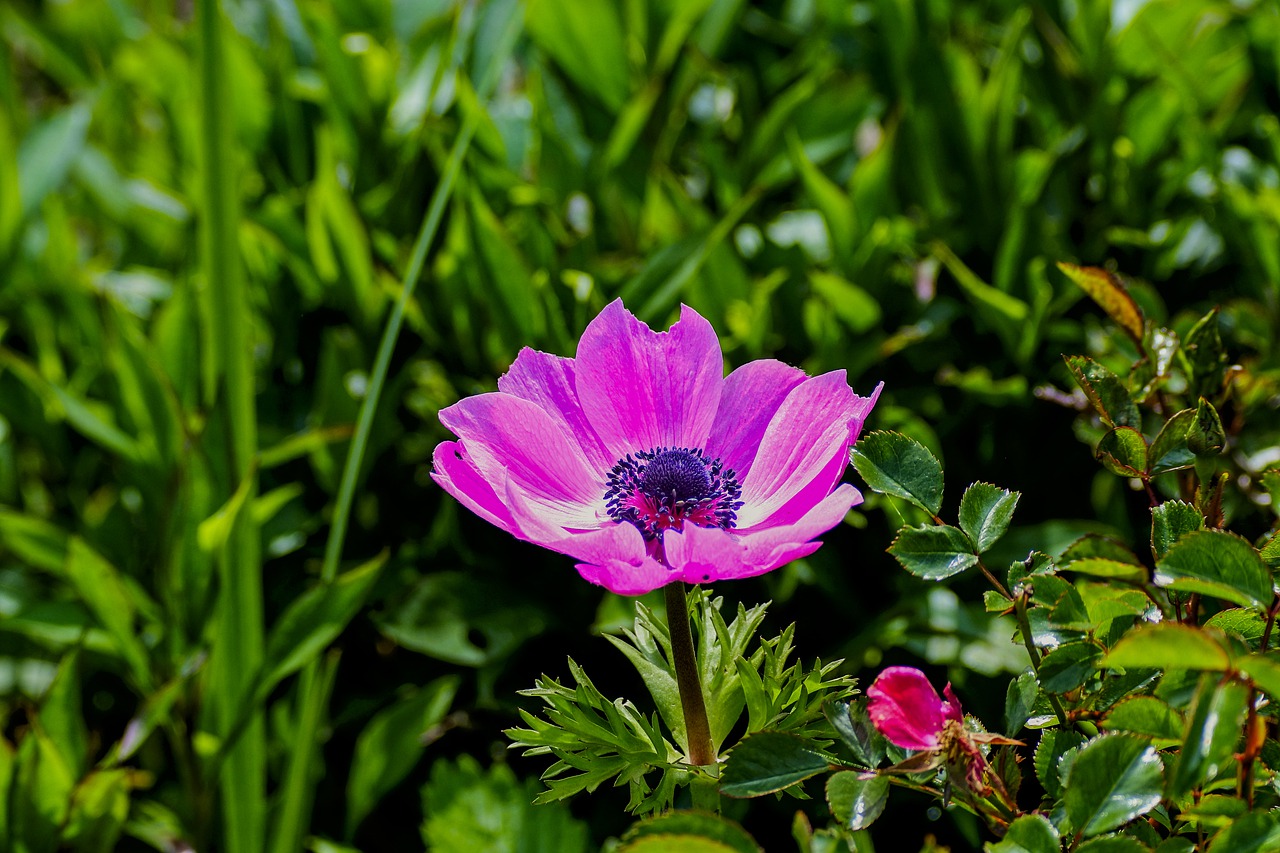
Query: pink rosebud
x,y
906,709
641,460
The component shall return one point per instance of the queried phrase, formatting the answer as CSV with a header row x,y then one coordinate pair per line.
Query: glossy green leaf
x,y
896,465
933,552
1168,645
1216,563
857,799
1255,832
1205,435
1100,567
1069,666
1249,625
1145,715
1205,355
985,513
1020,701
1114,779
1031,833
1123,451
1113,844
688,830
1169,451
1264,670
1213,729
392,744
765,762
1169,521
1053,745
1105,391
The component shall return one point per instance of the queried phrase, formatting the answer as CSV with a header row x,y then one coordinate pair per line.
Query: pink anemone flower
x,y
906,709
641,460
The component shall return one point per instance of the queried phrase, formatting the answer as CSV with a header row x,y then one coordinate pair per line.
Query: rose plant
x,y
1141,720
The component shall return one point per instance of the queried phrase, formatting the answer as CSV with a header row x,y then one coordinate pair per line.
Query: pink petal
x,y
506,436
457,475
710,554
625,578
905,708
951,706
752,394
804,451
608,543
548,380
643,389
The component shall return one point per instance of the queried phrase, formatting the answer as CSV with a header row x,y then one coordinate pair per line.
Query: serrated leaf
x,y
857,799
1113,844
1054,743
1168,646
1213,728
1105,391
1123,451
1069,666
985,513
1106,289
1248,625
765,762
1169,522
1100,567
852,723
1206,357
1256,832
896,465
686,825
1216,563
1145,715
1271,553
933,552
1020,701
1169,451
1205,435
1264,669
1031,833
1113,779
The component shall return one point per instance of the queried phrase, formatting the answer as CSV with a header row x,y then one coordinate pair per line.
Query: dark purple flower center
x,y
662,489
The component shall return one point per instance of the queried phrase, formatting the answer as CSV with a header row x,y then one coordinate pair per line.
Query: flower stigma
x,y
660,489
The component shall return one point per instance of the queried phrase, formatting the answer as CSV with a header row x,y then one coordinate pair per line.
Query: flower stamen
x,y
661,489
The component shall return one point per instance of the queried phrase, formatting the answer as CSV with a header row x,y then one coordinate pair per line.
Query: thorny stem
x,y
1252,744
1024,628
697,729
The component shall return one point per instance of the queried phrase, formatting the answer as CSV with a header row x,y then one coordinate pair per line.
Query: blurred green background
x,y
207,214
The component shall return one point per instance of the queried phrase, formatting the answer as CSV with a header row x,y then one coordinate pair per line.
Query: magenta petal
x,y
751,397
951,707
457,476
625,578
643,389
710,554
807,440
905,708
549,381
506,436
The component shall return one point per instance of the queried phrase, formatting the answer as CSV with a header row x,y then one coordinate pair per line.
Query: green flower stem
x,y
697,729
